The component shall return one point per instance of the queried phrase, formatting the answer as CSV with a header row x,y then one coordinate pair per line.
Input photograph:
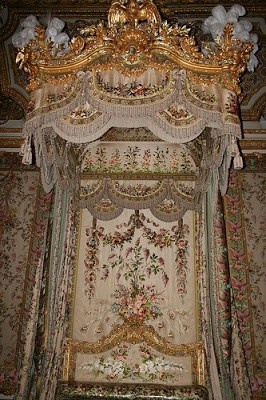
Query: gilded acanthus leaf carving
x,y
134,39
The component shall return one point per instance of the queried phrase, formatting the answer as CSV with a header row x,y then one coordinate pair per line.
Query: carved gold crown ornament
x,y
136,49
134,40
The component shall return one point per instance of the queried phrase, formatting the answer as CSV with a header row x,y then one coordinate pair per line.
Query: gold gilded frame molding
x,y
131,333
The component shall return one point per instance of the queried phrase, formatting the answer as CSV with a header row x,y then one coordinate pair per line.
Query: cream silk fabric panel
x,y
135,266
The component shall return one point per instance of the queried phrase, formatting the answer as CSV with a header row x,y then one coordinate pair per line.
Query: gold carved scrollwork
x,y
134,40
39,53
197,79
133,45
233,55
133,332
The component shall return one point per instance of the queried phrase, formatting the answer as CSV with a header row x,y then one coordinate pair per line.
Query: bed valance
x,y
135,71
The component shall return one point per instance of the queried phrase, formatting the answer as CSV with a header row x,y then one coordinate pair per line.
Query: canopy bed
x,y
133,123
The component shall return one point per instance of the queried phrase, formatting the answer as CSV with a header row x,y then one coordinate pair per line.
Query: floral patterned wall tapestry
x,y
135,271
254,200
245,215
19,190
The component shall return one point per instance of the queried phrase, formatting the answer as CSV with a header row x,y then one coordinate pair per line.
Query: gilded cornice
x,y
10,142
10,130
190,9
253,144
254,132
90,8
261,157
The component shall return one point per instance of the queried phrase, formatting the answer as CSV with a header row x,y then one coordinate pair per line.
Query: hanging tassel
x,y
238,162
22,148
234,147
26,151
27,157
